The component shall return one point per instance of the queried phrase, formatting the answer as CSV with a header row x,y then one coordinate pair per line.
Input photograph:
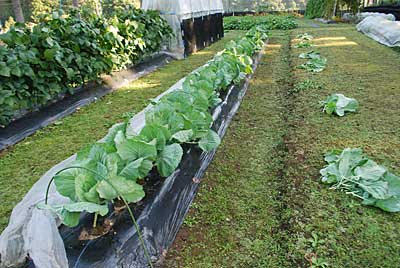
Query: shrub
x,y
325,8
316,9
270,22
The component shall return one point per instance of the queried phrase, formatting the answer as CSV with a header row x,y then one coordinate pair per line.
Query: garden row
x,y
271,22
40,64
115,167
350,170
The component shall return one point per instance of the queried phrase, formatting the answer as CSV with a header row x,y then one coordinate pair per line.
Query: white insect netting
x,y
175,11
384,31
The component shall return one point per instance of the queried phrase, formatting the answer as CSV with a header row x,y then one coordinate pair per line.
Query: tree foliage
x,y
325,8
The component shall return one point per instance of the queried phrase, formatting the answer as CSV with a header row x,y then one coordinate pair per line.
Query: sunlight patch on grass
x,y
330,38
275,46
337,44
203,52
139,85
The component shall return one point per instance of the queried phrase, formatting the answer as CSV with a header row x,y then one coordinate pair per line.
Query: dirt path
x,y
261,203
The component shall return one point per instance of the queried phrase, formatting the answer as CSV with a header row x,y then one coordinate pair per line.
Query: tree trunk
x,y
334,8
19,15
75,3
98,8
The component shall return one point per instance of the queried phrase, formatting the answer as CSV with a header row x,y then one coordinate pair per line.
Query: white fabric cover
x,y
175,11
381,30
363,15
360,16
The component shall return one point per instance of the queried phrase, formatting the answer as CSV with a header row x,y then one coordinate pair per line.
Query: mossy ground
x,y
22,165
262,203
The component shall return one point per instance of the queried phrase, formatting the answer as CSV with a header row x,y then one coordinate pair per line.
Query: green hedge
x,y
62,52
324,8
270,22
316,9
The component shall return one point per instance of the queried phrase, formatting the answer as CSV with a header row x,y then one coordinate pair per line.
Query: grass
x,y
262,203
22,165
356,236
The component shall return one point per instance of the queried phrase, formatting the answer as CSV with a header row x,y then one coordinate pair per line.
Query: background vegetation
x,y
62,52
271,22
329,8
32,9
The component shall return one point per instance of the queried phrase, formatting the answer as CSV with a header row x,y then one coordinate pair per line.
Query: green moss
x,y
22,165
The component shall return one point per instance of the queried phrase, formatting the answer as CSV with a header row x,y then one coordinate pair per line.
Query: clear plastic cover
x,y
363,15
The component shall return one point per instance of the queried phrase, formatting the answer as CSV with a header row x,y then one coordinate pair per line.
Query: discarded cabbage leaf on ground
x,y
305,37
310,55
314,65
339,104
303,44
354,173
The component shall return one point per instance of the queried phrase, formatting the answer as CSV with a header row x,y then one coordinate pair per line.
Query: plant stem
x,y
95,220
146,253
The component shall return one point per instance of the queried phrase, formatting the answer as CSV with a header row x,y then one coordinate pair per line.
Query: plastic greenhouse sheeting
x,y
175,11
381,30
360,16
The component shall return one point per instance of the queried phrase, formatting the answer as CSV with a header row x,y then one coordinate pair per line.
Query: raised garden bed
x,y
29,123
161,213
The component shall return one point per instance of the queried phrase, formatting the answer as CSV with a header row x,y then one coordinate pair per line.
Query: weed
x,y
307,84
